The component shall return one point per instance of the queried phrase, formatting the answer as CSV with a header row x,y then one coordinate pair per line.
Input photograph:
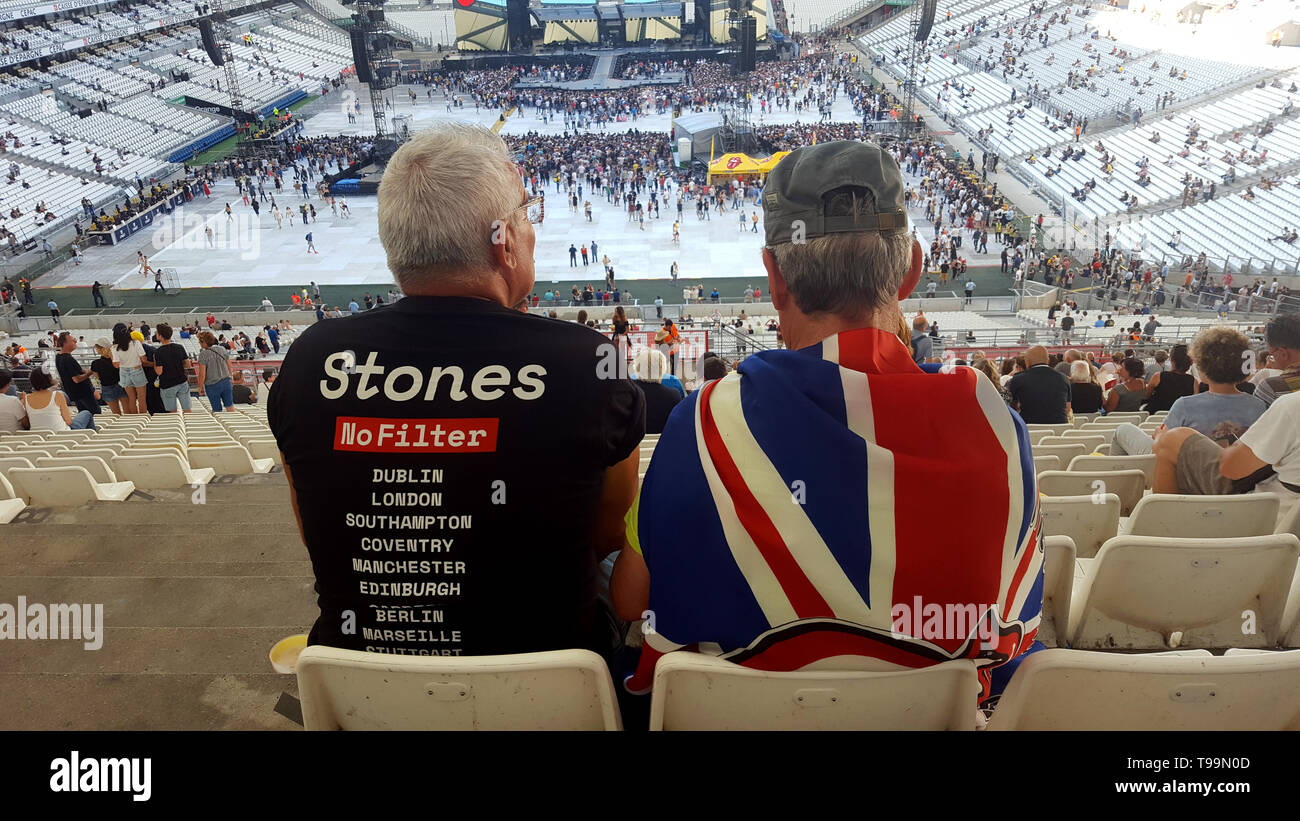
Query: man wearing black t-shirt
x,y
1040,393
429,443
76,381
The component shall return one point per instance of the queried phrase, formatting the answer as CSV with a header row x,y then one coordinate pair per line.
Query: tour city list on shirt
x,y
439,450
391,561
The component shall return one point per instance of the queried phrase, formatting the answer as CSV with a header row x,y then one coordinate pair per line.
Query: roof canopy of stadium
x,y
482,26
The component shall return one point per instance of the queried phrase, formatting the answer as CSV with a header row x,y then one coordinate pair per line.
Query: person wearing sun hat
x,y
786,517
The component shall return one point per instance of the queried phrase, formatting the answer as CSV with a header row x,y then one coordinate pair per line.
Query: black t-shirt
x,y
242,394
1085,397
108,374
446,480
68,367
172,358
1042,394
659,403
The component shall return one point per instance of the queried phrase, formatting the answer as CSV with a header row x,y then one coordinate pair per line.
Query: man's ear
x,y
775,282
913,273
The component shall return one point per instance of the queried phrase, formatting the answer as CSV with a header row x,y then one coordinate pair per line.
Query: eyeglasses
x,y
533,208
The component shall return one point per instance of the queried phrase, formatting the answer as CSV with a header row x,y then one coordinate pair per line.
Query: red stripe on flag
x,y
951,499
807,602
1031,547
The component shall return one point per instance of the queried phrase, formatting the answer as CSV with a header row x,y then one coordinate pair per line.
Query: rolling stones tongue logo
x,y
733,163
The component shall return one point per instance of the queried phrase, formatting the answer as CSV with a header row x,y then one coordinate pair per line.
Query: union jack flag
x,y
790,506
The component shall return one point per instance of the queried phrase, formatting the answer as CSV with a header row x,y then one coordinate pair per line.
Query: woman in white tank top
x,y
47,409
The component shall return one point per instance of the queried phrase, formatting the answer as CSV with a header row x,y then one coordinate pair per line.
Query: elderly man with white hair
x,y
425,442
786,520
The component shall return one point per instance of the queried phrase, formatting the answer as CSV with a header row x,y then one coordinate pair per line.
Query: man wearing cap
x,y
786,520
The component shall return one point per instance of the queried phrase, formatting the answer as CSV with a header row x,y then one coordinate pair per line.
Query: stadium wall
x,y
202,144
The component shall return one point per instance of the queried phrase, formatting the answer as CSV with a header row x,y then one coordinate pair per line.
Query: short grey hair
x,y
846,274
1080,371
442,197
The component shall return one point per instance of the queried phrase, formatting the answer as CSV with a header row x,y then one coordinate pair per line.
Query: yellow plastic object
x,y
284,655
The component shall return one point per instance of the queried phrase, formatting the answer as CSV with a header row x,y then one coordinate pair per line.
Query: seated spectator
x,y
47,409
651,370
1166,387
1131,390
1085,393
712,367
513,408
1265,459
1222,413
1040,394
264,388
13,414
1282,339
239,388
922,344
716,549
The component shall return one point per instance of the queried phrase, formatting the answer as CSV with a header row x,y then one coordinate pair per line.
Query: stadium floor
x,y
250,258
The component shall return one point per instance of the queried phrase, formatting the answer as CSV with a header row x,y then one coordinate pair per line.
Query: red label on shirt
x,y
374,435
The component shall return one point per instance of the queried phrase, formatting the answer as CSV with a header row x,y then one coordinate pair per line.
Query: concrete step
x,y
190,542
212,494
113,701
162,517
129,651
164,569
177,601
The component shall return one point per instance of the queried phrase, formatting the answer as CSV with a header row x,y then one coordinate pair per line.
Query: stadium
x,y
645,365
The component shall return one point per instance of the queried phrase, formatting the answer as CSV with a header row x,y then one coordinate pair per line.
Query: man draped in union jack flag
x,y
835,506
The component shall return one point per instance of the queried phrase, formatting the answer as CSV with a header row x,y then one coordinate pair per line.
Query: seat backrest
x,y
556,690
1204,517
1088,441
1290,523
6,489
96,467
1217,593
1064,452
1058,586
152,471
1056,430
693,691
17,460
1036,436
1133,417
1079,690
224,459
69,486
1042,463
1145,463
1126,484
1088,520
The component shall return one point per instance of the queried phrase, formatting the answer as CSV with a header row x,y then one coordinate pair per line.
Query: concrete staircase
x,y
194,596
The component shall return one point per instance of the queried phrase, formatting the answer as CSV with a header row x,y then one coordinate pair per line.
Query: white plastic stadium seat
x,y
1059,570
556,690
1126,484
1088,520
1290,521
1042,463
1056,430
1078,690
96,467
1204,517
10,504
158,471
1145,463
65,487
693,691
228,459
1063,452
1141,590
